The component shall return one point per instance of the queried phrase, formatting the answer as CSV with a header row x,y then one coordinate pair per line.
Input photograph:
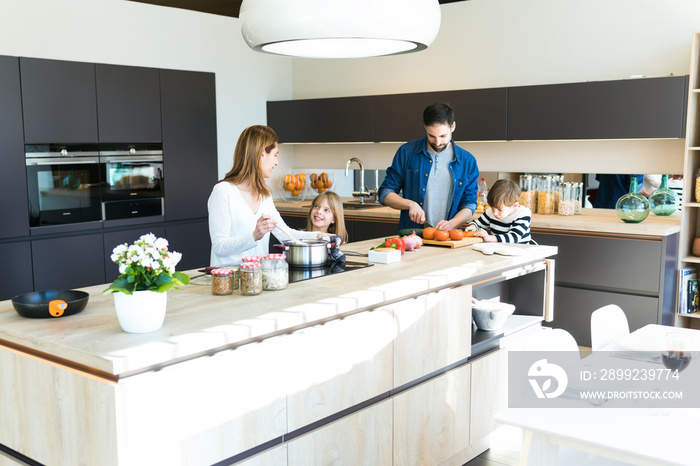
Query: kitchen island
x,y
375,366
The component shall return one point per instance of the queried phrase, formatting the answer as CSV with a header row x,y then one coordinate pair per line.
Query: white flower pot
x,y
141,312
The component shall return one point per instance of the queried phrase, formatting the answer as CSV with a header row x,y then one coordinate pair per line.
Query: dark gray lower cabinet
x,y
368,229
70,262
16,263
114,238
638,273
192,240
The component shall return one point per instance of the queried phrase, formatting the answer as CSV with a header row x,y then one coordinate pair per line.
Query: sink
x,y
358,206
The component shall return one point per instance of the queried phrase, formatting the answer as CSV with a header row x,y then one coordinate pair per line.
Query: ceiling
x,y
216,7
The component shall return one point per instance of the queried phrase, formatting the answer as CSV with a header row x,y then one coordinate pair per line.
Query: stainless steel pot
x,y
306,253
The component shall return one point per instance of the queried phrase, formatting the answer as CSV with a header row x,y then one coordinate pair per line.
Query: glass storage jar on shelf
x,y
275,272
251,278
632,207
697,186
663,201
528,192
578,199
545,195
567,204
557,182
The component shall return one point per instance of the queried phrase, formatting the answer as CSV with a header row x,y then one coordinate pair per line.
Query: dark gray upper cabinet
x,y
480,114
59,101
188,102
343,119
128,103
13,182
635,108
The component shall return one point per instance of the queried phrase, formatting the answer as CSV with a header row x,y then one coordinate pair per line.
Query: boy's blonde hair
x,y
503,193
336,205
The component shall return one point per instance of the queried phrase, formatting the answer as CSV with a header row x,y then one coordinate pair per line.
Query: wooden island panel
x,y
338,365
434,331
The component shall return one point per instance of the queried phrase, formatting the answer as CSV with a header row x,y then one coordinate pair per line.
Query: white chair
x,y
556,339
607,323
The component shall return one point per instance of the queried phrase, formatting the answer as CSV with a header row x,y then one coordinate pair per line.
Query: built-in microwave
x,y
63,183
132,177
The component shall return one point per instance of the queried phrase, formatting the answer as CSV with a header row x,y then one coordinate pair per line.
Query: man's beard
x,y
437,149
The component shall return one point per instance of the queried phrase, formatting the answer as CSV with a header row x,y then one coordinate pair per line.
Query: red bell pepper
x,y
396,243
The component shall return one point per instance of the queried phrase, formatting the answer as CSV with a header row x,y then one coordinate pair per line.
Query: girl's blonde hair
x,y
251,144
336,205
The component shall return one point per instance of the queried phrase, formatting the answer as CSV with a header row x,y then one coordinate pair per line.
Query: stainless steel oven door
x,y
63,190
132,177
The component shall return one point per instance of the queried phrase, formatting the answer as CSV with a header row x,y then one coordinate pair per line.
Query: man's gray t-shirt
x,y
438,192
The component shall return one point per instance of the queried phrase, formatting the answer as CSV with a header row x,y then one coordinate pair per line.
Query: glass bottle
x,y
528,192
697,186
578,199
663,201
275,272
632,207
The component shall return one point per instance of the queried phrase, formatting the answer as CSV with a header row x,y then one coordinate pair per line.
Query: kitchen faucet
x,y
363,192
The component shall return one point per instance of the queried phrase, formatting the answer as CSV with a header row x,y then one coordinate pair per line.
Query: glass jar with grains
x,y
545,195
528,192
251,278
221,281
567,205
697,186
275,272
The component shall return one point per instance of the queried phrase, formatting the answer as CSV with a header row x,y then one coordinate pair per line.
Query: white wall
x,y
129,33
496,43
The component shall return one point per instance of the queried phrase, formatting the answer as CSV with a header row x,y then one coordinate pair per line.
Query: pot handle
x,y
281,247
331,245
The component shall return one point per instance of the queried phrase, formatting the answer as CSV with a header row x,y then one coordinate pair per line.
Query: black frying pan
x,y
54,303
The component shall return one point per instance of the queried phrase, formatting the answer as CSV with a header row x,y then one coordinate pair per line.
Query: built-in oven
x,y
63,183
132,177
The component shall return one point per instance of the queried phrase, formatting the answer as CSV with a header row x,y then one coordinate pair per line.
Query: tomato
x,y
456,235
320,184
468,234
287,179
289,186
441,235
429,233
302,176
328,183
300,184
296,193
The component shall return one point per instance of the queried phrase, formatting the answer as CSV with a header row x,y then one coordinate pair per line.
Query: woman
x,y
326,215
241,211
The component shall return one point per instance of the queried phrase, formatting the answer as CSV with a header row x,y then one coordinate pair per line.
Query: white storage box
x,y
384,255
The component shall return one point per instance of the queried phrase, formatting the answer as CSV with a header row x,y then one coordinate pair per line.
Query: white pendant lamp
x,y
339,28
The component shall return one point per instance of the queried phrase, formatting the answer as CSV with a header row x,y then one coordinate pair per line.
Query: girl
x,y
326,215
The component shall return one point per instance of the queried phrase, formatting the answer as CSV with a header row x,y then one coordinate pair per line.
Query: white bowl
x,y
491,315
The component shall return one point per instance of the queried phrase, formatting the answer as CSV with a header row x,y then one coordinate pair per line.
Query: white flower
x,y
161,243
122,268
120,249
149,238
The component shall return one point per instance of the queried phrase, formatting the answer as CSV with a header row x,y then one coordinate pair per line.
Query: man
x,y
431,180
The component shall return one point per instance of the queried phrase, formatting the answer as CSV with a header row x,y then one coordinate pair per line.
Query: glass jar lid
x,y
276,257
222,271
252,259
251,265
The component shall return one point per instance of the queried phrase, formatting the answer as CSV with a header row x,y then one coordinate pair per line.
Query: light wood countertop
x,y
198,323
590,220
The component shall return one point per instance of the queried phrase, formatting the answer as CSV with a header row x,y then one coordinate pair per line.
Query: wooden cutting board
x,y
453,244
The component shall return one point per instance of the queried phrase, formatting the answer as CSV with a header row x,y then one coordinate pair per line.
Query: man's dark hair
x,y
438,113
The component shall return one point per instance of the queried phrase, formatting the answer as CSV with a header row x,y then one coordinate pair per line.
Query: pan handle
x,y
281,247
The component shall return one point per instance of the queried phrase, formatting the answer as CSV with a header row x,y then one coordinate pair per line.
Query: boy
x,y
505,221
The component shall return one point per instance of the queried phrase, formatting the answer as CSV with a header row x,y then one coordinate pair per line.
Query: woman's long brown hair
x,y
251,144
